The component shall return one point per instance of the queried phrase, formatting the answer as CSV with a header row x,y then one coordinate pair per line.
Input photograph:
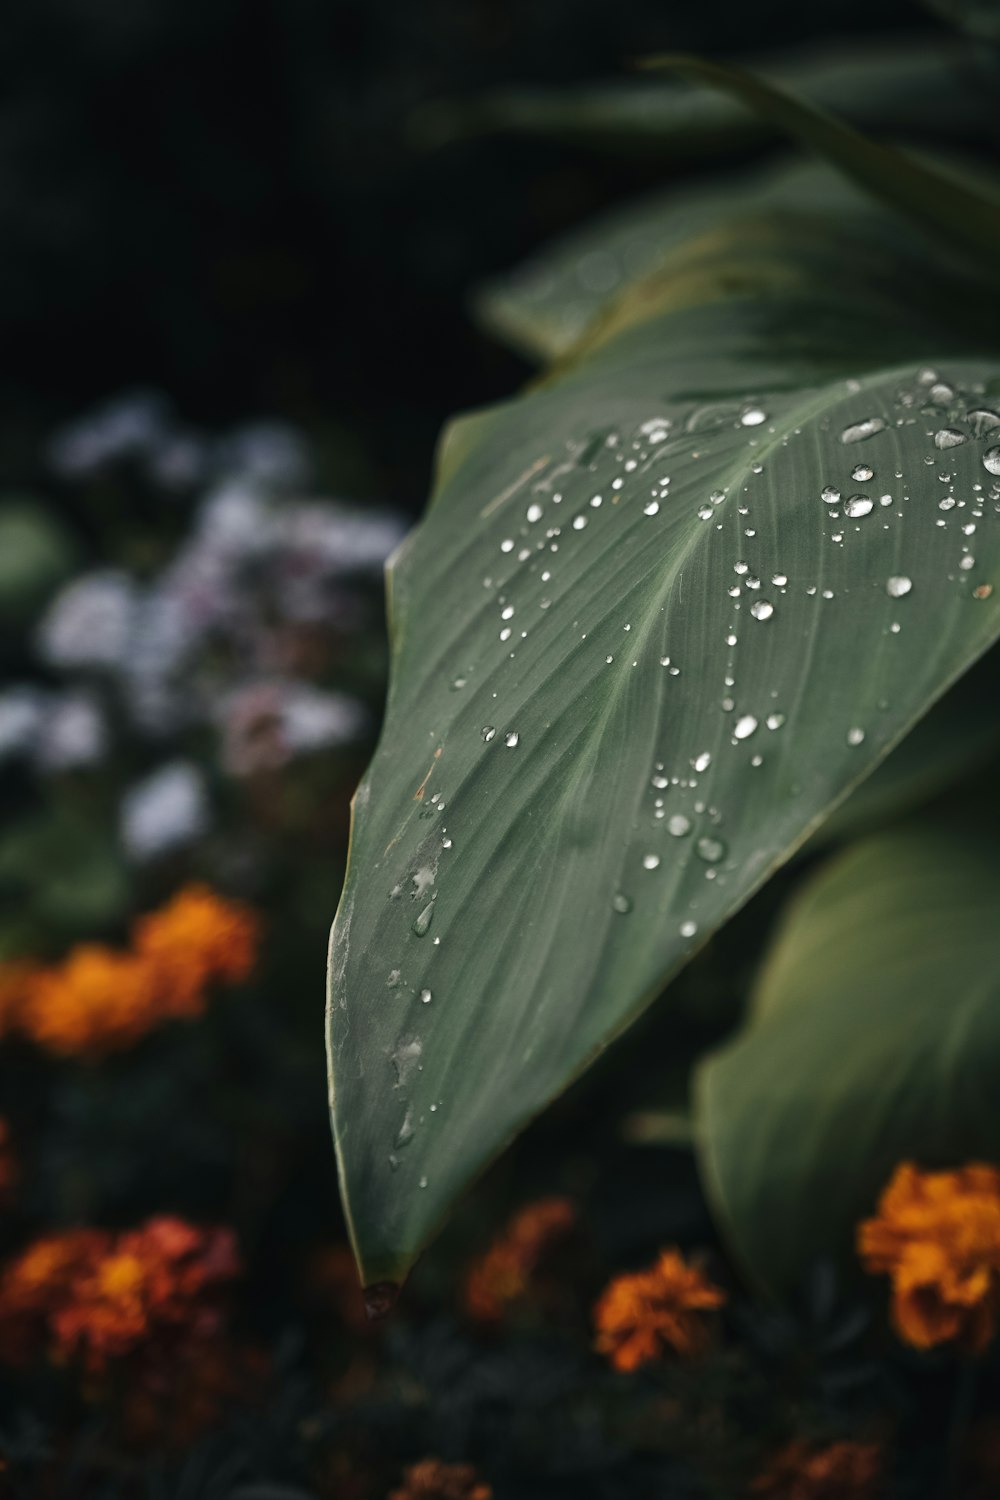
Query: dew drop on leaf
x,y
423,922
711,850
898,585
857,432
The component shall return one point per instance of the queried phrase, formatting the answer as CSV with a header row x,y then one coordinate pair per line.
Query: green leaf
x,y
910,85
962,215
547,305
597,744
874,1037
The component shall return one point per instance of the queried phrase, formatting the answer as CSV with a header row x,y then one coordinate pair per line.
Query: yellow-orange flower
x,y
99,999
642,1315
97,1297
839,1471
430,1479
520,1260
197,938
937,1236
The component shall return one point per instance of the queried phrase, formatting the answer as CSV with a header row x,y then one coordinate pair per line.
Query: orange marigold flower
x,y
198,937
99,1296
521,1259
937,1236
38,1281
641,1315
97,999
430,1479
802,1471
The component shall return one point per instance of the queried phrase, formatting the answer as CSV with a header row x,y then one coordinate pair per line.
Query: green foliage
x,y
873,1037
620,701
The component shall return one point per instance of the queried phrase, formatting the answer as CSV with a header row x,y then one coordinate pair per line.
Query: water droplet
x,y
507,545
405,1059
752,416
650,861
830,494
534,513
423,1182
744,727
898,585
949,437
942,393
488,732
991,460
855,736
621,903
762,609
983,421
512,740
861,473
703,761
405,1133
966,563
775,721
711,850
859,505
579,522
650,509
423,922
688,929
679,825
948,503
779,580
857,432
982,591
426,996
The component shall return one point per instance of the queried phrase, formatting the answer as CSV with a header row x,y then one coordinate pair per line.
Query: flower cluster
x,y
802,1471
99,998
521,1261
430,1479
96,1297
937,1236
642,1315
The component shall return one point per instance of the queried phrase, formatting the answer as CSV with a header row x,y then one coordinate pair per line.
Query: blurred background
x,y
237,256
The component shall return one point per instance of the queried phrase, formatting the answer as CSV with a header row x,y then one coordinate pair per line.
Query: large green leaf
x,y
545,306
619,702
874,1037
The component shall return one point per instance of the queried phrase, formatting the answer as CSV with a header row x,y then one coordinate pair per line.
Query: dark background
x,y
218,198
